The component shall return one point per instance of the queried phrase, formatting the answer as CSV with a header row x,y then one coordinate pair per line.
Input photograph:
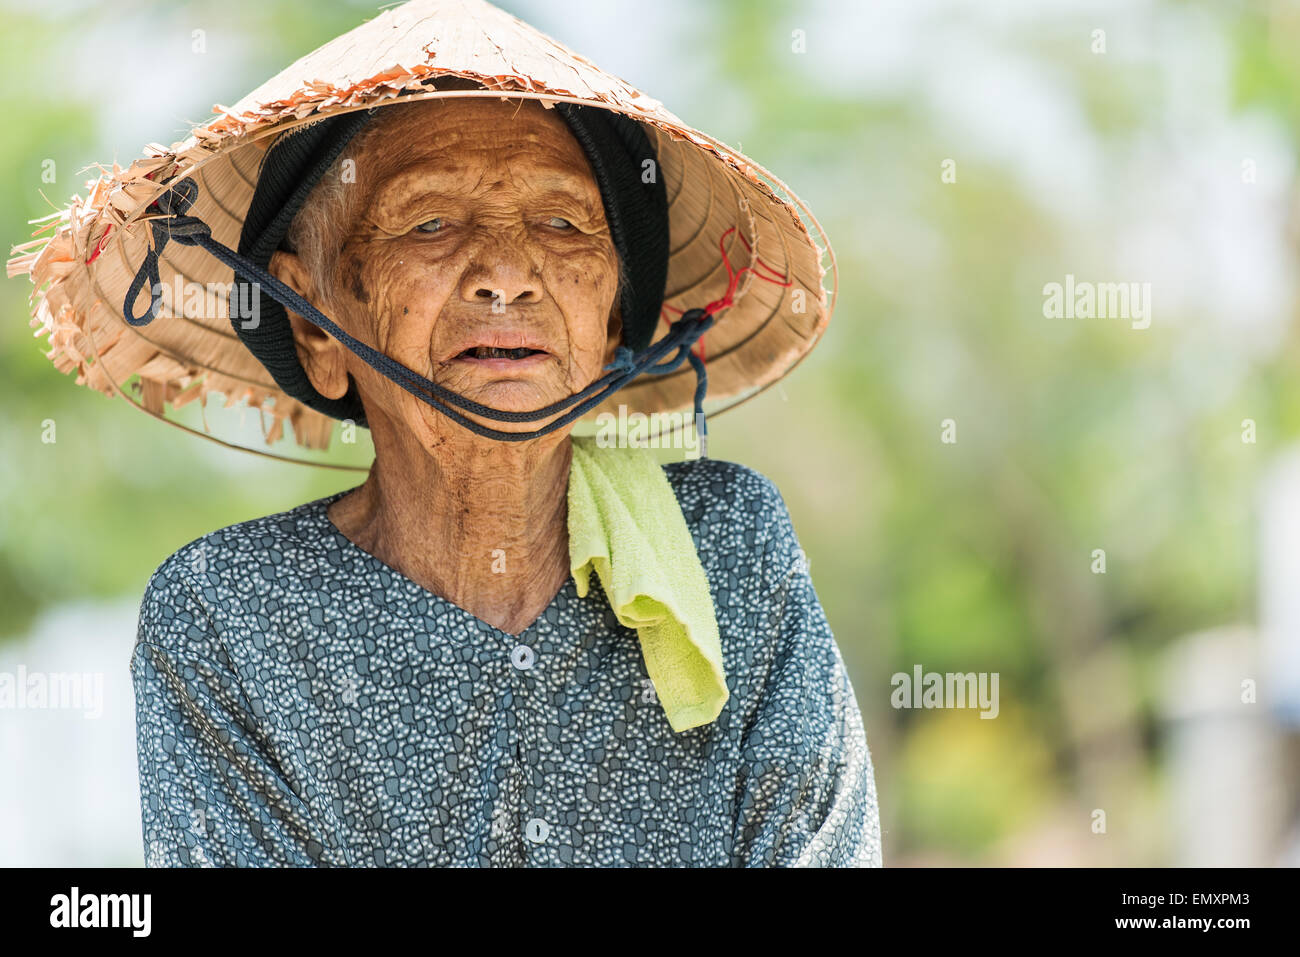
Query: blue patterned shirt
x,y
301,703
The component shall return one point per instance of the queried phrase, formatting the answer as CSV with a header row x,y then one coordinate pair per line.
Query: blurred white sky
x,y
69,793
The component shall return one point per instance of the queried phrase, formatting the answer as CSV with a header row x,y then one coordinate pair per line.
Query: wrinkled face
x,y
476,253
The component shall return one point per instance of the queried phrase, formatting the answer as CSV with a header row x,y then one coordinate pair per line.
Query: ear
x,y
322,356
614,332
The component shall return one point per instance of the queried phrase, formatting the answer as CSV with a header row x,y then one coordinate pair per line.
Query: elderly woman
x,y
421,670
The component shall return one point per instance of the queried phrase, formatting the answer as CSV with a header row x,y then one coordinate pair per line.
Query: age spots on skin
x,y
352,268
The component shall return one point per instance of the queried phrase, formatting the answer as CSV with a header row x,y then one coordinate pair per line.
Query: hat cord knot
x,y
187,230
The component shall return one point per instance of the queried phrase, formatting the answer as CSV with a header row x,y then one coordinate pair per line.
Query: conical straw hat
x,y
90,251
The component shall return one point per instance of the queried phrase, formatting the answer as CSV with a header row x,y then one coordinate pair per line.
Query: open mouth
x,y
492,352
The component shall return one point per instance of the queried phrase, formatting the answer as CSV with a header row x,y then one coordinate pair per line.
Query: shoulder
x,y
192,591
720,482
736,510
256,540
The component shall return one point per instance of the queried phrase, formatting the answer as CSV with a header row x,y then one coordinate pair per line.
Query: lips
x,y
497,352
505,353
502,347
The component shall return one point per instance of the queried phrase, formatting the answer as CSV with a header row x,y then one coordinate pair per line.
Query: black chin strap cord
x,y
175,224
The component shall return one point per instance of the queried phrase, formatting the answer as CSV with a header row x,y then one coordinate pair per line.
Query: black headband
x,y
631,187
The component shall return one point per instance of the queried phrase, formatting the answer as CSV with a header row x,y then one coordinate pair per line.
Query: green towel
x,y
624,521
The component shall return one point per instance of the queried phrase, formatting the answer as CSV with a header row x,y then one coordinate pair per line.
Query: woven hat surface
x,y
87,254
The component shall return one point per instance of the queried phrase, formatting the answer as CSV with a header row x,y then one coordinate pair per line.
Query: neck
x,y
482,523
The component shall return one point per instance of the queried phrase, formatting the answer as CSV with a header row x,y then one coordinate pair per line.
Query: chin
x,y
506,395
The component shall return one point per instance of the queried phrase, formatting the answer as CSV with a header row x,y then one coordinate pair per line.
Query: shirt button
x,y
522,657
537,830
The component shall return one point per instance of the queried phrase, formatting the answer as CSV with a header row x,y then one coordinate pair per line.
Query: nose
x,y
502,271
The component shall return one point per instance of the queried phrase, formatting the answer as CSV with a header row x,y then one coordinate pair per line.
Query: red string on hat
x,y
733,280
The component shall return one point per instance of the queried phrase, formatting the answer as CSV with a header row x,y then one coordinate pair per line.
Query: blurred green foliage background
x,y
1073,435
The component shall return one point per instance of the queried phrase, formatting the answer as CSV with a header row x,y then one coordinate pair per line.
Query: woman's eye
x,y
432,226
559,223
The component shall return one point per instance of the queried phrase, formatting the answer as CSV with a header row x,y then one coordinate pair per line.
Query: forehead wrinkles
x,y
460,174
430,130
463,146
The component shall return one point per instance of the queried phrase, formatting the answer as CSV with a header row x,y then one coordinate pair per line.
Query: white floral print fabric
x,y
300,703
